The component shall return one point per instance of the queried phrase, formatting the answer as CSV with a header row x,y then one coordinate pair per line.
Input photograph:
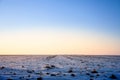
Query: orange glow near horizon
x,y
55,43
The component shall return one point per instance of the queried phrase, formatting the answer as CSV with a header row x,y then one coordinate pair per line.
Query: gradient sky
x,y
89,27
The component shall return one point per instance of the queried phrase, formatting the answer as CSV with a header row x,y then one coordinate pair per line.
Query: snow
x,y
60,67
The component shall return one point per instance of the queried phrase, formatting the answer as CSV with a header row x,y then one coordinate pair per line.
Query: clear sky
x,y
89,27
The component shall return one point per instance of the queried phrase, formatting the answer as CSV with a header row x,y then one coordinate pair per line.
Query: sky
x,y
41,27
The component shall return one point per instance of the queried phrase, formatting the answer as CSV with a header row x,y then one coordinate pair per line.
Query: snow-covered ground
x,y
59,67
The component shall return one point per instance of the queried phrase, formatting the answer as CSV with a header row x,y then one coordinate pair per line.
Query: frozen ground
x,y
60,67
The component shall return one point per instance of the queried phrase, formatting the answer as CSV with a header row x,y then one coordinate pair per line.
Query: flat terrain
x,y
59,67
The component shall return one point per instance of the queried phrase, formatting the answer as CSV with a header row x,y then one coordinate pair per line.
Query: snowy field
x,y
60,67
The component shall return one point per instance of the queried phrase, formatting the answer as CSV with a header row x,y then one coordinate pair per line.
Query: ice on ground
x,y
60,67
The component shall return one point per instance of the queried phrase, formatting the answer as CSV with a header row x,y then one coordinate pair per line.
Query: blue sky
x,y
100,17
